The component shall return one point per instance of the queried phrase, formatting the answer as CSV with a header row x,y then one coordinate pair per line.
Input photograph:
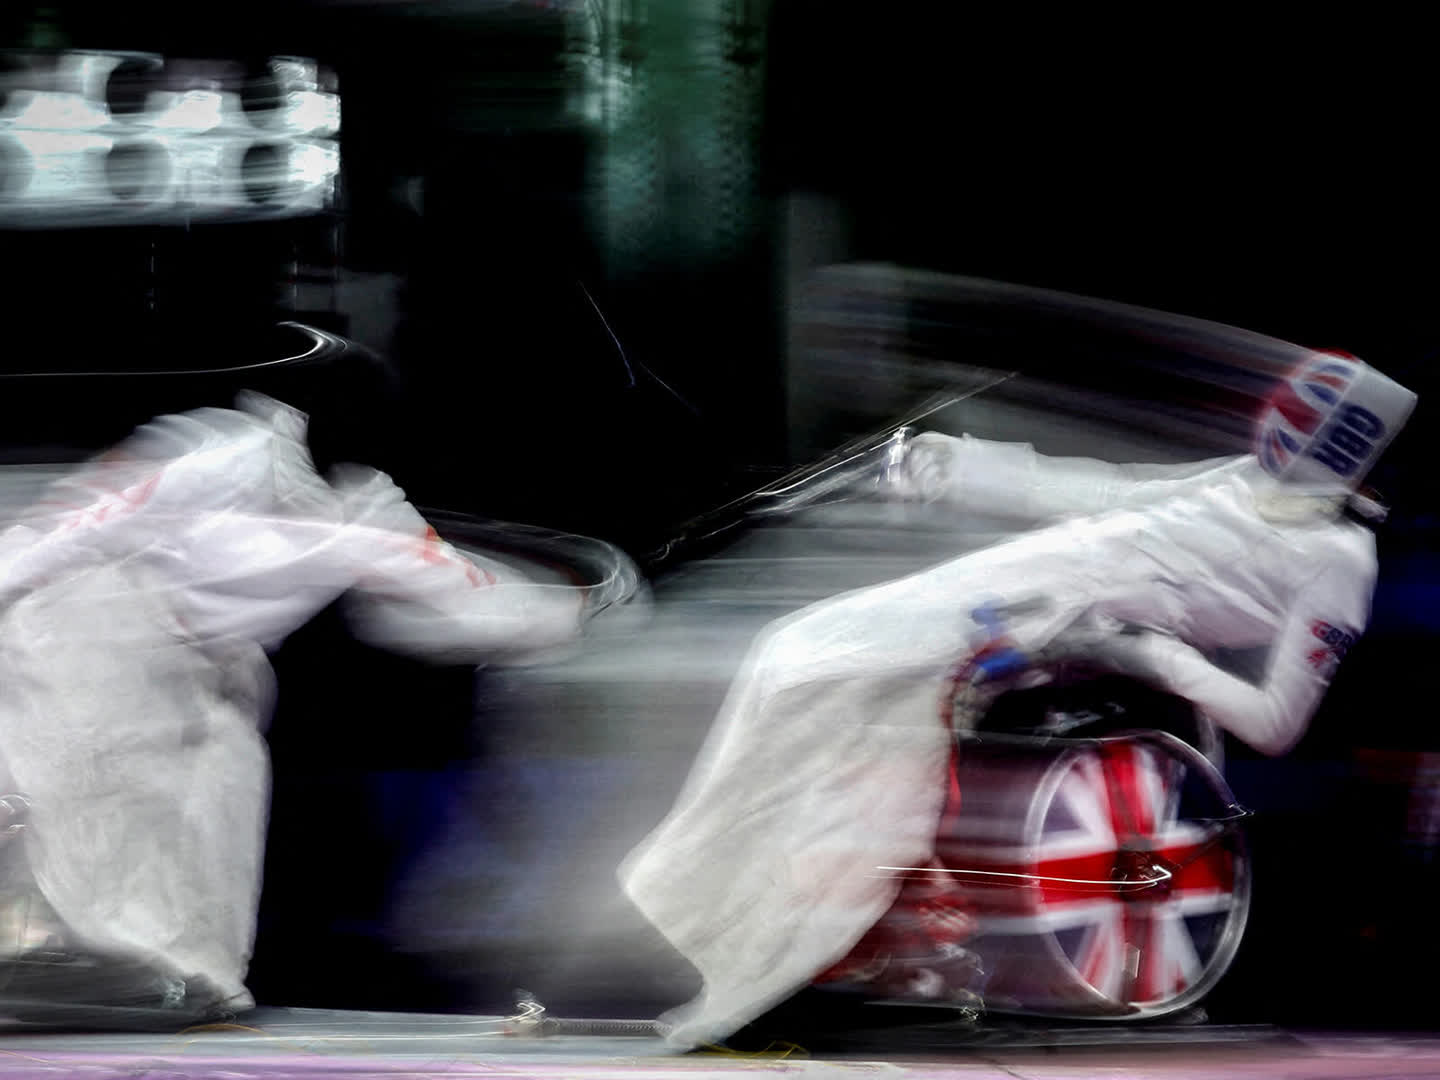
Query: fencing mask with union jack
x,y
1325,425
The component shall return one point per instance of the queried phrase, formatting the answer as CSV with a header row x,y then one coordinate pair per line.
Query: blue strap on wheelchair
x,y
997,657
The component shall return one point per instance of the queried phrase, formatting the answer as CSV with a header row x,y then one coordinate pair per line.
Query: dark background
x,y
1273,178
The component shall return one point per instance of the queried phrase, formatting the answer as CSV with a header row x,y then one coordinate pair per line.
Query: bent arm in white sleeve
x,y
1272,716
417,594
1014,480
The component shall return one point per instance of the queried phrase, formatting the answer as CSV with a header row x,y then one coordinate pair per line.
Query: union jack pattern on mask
x,y
1297,408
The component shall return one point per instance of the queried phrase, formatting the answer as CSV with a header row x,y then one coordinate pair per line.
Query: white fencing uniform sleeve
x,y
170,472
1013,480
1272,716
80,523
417,594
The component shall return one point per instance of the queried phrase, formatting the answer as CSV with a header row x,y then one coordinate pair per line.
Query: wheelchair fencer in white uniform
x,y
824,778
136,607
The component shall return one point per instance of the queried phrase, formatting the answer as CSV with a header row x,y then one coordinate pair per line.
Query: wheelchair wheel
x,y
1108,877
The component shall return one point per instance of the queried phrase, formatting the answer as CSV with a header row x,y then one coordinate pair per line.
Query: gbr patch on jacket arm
x,y
1327,645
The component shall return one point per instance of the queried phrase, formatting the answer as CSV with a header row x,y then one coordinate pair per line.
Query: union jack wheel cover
x,y
1124,899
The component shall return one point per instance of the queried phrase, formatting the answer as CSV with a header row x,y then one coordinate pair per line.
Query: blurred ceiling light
x,y
123,138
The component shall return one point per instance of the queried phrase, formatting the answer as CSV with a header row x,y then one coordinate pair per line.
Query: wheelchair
x,y
1090,862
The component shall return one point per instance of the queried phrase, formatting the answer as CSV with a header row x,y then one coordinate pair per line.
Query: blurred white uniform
x,y
828,758
136,605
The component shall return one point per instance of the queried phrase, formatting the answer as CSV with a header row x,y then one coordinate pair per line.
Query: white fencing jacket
x,y
136,605
827,759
